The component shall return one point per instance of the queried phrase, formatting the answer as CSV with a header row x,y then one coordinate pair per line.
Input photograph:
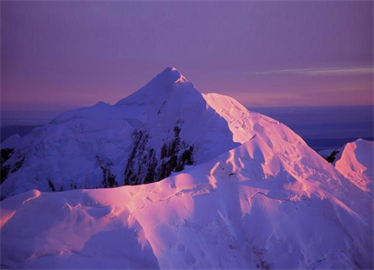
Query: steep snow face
x,y
161,128
355,161
263,205
242,123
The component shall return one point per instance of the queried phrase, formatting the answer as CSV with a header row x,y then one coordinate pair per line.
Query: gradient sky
x,y
65,54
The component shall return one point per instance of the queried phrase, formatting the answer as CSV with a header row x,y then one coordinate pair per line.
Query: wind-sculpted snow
x,y
251,207
355,161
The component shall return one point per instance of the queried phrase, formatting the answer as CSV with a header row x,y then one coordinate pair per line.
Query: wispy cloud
x,y
339,71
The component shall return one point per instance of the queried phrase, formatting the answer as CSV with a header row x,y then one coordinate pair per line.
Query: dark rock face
x,y
137,161
109,179
18,165
5,154
145,166
331,158
5,169
51,185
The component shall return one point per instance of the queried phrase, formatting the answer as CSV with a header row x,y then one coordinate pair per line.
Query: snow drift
x,y
355,161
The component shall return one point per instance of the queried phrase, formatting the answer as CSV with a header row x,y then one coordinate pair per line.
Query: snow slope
x,y
271,203
355,161
161,128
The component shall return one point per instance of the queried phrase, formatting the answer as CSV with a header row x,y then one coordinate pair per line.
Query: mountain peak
x,y
173,75
159,88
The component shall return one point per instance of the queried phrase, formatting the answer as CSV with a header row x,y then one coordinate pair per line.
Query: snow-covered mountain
x,y
271,203
159,129
257,196
355,160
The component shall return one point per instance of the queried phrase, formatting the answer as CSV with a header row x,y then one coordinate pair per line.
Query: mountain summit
x,y
159,87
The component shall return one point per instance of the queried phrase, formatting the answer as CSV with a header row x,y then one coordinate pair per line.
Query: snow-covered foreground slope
x,y
218,215
355,161
271,203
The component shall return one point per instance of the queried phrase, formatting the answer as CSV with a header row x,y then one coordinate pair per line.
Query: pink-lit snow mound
x,y
355,161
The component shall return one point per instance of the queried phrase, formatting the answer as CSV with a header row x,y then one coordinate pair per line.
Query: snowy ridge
x,y
265,218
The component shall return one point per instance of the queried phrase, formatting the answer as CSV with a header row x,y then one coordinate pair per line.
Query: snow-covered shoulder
x,y
355,161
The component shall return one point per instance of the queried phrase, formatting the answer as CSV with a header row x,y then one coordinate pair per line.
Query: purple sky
x,y
64,54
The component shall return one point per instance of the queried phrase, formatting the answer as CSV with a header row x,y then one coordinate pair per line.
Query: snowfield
x,y
244,191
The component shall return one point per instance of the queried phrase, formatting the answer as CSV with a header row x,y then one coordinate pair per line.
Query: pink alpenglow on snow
x,y
207,185
355,161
